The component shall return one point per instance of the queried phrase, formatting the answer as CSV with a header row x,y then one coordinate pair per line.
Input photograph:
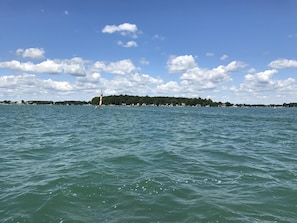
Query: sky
x,y
238,51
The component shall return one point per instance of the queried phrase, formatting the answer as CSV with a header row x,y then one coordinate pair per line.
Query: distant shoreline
x,y
127,100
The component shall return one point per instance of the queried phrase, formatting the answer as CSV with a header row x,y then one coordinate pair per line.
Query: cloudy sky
x,y
241,51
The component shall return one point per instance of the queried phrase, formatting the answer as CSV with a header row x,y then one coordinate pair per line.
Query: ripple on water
x,y
120,164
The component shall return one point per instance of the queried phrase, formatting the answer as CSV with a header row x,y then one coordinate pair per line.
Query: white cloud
x,y
128,44
191,80
57,85
224,57
261,76
47,66
233,66
19,52
134,83
126,78
262,88
263,81
283,63
170,86
66,12
121,67
144,79
91,77
33,53
99,66
74,66
195,78
181,63
125,29
252,70
29,86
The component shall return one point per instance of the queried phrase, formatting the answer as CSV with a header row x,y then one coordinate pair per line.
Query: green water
x,y
147,164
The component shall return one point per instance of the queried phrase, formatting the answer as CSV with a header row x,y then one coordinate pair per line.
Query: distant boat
x,y
100,100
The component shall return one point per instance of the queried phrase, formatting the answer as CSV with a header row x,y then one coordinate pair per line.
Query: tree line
x,y
39,102
158,101
174,101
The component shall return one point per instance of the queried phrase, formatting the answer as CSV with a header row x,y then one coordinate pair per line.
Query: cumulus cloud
x,y
127,78
191,80
144,79
263,81
121,67
282,63
47,66
74,66
32,53
261,76
233,66
125,29
252,70
177,64
170,86
30,86
57,85
134,83
194,77
91,77
128,44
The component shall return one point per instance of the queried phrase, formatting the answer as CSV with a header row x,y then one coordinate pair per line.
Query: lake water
x,y
147,164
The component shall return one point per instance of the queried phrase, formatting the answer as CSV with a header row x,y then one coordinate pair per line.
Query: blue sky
x,y
241,51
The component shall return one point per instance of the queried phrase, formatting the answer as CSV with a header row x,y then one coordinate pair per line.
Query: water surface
x,y
147,164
